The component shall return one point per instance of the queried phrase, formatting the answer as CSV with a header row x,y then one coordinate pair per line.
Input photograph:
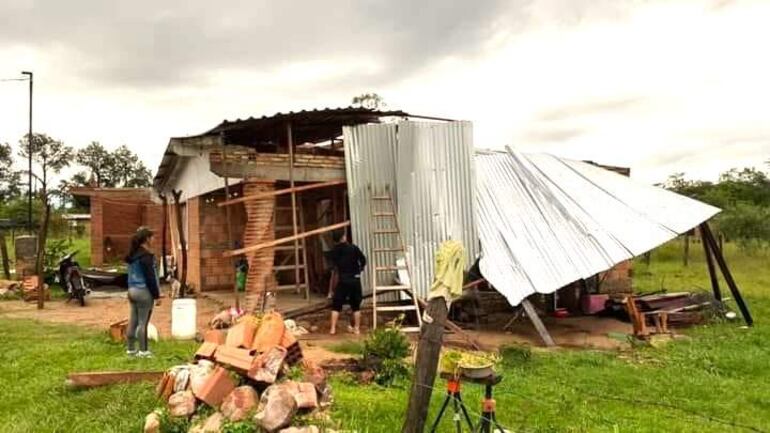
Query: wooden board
x,y
102,378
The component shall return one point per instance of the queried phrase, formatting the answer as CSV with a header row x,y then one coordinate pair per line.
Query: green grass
x,y
717,380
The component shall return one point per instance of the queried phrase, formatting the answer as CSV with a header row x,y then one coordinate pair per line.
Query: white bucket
x,y
183,319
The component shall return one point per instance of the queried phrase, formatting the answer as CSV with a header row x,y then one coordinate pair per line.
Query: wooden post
x,y
164,235
4,254
710,264
425,366
539,326
727,274
40,259
182,242
686,249
304,251
236,297
290,143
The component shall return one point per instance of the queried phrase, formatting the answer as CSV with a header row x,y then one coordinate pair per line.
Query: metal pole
x,y
29,151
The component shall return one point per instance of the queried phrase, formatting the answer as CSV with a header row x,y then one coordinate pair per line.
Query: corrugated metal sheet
x,y
545,222
428,168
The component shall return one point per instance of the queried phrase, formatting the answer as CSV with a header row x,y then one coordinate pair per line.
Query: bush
x,y
384,352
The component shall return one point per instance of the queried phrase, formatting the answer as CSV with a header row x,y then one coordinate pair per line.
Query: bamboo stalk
x,y
281,192
286,239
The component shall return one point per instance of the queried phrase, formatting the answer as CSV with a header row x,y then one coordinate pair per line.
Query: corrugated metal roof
x,y
545,222
428,169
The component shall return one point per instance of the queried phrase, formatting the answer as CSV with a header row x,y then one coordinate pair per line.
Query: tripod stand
x,y
453,395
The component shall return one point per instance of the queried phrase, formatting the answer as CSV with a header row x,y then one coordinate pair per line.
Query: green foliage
x,y
384,352
120,168
52,155
371,101
173,424
744,197
349,347
239,427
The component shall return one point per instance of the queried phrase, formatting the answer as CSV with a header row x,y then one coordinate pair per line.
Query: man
x,y
348,262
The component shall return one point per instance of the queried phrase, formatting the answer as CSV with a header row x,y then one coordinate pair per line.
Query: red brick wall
x,y
259,228
115,216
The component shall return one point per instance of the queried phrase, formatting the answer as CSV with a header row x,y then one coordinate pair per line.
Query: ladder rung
x,y
387,250
381,197
287,267
410,329
385,231
384,214
290,287
389,268
392,288
398,308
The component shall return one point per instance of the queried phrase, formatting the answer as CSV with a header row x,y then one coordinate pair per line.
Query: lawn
x,y
715,381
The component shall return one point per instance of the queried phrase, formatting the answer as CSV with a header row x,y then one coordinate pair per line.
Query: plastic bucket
x,y
183,319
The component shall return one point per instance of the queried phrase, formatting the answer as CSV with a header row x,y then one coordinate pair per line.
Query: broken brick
x,y
266,366
181,404
206,351
241,335
240,403
216,336
304,393
218,385
240,359
270,332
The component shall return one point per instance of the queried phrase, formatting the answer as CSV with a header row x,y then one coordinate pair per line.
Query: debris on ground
x,y
241,375
101,378
30,288
9,287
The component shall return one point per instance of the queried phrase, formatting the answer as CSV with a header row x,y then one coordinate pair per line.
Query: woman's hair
x,y
137,240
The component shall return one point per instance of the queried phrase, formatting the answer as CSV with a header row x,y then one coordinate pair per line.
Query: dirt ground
x,y
103,309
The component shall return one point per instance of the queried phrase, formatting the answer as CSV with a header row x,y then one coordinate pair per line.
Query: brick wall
x,y
115,216
258,229
193,238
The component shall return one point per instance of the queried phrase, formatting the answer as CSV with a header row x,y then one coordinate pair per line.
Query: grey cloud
x,y
590,108
148,43
556,134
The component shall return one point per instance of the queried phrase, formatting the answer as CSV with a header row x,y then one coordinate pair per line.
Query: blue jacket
x,y
142,273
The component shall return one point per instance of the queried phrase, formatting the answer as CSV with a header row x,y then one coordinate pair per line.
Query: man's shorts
x,y
348,291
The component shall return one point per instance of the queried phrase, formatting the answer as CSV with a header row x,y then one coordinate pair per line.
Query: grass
x,y
715,381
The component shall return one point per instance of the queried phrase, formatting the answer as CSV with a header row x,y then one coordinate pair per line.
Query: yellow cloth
x,y
450,264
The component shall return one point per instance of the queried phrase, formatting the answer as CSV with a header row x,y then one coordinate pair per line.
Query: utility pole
x,y
29,149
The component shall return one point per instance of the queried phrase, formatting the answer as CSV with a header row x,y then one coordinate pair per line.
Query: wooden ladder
x,y
285,258
386,242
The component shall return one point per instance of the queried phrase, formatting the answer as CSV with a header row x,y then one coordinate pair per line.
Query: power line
x,y
14,79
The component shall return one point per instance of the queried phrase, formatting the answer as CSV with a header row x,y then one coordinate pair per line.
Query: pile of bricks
x,y
29,289
242,374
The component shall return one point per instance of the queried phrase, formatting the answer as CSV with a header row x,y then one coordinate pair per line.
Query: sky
x,y
659,86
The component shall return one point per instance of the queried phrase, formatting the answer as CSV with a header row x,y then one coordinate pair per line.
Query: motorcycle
x,y
71,279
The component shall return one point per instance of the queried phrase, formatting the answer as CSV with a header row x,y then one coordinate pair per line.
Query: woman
x,y
143,291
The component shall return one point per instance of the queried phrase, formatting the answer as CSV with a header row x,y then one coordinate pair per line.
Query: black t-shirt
x,y
347,259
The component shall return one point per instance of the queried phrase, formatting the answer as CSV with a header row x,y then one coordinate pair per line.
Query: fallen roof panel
x,y
545,222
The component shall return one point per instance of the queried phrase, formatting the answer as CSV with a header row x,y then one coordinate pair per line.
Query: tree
x,y
371,101
99,161
9,178
130,171
50,154
120,168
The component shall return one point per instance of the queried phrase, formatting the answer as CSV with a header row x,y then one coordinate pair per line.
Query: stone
x,y
303,429
181,404
212,424
152,423
314,374
239,404
304,393
276,408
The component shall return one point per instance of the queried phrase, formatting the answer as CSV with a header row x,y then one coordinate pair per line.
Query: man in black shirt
x,y
348,262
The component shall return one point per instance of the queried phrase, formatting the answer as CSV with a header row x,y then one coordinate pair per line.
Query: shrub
x,y
384,352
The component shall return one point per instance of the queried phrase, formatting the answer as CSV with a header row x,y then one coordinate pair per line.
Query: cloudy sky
x,y
660,86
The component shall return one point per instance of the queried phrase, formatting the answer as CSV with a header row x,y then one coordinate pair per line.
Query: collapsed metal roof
x,y
545,222
308,126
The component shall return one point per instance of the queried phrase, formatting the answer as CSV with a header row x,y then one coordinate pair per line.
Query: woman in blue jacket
x,y
143,291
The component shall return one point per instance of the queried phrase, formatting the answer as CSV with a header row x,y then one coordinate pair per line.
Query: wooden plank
x,y
286,239
539,326
102,378
727,274
455,328
711,268
282,191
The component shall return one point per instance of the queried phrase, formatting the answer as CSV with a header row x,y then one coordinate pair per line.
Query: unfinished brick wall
x,y
617,279
259,228
192,211
116,213
218,272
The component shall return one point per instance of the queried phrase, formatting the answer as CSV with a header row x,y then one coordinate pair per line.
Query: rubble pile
x,y
252,372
